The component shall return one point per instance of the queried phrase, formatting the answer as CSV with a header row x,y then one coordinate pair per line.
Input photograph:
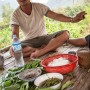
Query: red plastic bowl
x,y
60,69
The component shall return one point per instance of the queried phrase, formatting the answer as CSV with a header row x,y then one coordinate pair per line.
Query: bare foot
x,y
37,53
27,51
28,48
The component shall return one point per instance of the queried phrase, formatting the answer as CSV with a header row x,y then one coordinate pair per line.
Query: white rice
x,y
59,62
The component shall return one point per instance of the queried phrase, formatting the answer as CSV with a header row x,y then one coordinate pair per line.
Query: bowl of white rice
x,y
61,63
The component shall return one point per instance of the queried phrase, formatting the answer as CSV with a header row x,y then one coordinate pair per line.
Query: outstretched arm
x,y
63,18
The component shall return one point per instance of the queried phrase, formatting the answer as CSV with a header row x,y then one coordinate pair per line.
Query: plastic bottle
x,y
16,44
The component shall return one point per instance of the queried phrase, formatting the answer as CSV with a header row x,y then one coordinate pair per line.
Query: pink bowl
x,y
60,69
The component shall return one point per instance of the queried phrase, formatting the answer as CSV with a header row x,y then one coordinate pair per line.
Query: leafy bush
x,y
5,37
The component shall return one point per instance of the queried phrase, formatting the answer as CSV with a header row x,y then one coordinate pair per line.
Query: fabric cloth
x,y
32,25
39,41
88,40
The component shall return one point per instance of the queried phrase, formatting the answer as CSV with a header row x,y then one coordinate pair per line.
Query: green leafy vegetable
x,y
66,85
0,87
12,87
24,86
50,82
11,80
7,83
44,89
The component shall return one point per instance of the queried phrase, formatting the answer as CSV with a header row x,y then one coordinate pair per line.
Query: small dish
x,y
41,79
29,74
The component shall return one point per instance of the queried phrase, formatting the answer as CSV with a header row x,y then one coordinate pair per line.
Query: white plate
x,y
44,77
29,74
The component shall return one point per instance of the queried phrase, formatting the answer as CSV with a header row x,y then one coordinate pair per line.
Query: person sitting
x,y
80,41
30,18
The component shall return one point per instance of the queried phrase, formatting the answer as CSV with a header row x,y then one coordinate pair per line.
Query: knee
x,y
65,34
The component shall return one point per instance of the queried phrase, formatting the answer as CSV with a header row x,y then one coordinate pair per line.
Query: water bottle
x,y
16,44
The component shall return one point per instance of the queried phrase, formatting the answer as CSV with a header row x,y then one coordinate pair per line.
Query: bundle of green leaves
x,y
10,81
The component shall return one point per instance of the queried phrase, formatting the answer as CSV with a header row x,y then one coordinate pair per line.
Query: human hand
x,y
80,16
11,51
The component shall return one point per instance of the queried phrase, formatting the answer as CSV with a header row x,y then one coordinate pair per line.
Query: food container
x,y
41,79
60,69
84,58
29,74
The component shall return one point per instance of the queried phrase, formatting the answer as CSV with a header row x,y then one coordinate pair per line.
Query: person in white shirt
x,y
30,18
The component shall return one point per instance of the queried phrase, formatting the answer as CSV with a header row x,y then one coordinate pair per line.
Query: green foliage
x,y
75,29
6,12
5,32
5,37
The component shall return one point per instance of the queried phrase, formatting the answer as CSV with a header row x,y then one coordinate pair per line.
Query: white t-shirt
x,y
32,25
